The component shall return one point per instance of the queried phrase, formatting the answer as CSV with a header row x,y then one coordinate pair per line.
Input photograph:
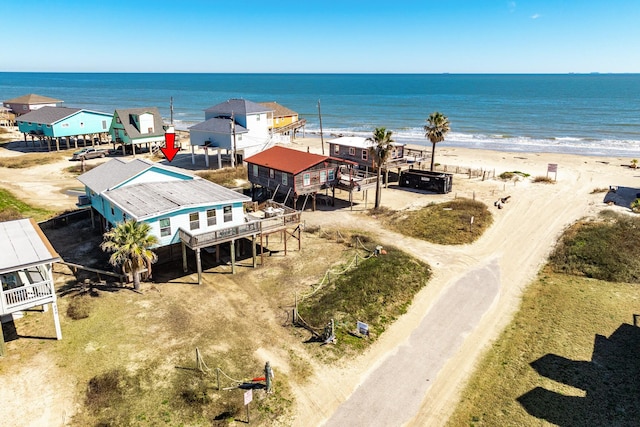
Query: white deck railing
x,y
26,296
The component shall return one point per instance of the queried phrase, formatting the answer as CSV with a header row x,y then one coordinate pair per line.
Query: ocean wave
x,y
500,142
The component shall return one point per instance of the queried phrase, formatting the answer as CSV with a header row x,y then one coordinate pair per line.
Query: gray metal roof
x,y
130,128
218,126
23,245
151,199
48,115
237,107
116,171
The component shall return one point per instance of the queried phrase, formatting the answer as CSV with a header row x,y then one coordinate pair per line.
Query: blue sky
x,y
473,36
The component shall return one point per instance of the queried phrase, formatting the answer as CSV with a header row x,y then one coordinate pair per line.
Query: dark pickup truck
x,y
89,153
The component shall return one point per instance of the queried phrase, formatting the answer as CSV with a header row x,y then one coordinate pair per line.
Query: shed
x,y
26,270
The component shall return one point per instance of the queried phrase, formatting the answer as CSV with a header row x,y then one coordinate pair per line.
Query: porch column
x,y
56,321
233,257
218,253
253,249
199,264
284,235
3,347
57,144
75,143
219,159
184,256
193,155
206,157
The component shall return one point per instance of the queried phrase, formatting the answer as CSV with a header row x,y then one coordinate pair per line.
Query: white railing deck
x,y
27,296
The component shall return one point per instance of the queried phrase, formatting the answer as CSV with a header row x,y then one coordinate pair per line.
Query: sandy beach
x,y
509,255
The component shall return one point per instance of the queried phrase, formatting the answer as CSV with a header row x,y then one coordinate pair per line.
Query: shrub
x,y
543,179
79,307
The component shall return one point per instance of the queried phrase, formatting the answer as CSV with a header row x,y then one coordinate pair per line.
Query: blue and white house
x,y
52,123
180,207
235,126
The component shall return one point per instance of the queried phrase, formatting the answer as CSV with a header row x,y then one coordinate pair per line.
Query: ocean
x,y
589,114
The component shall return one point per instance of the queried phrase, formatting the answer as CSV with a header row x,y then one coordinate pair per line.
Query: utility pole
x,y
233,133
171,107
321,137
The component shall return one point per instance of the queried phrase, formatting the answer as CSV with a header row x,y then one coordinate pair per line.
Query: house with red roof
x,y
295,173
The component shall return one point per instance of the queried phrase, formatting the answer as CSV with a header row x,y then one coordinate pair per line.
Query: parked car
x,y
89,153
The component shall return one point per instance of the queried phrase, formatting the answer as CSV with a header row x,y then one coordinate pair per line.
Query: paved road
x,y
393,392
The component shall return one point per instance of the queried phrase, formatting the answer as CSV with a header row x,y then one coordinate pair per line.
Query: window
x,y
272,173
65,125
239,137
255,170
364,154
323,177
194,221
81,124
228,213
258,118
104,124
285,180
165,227
336,149
331,175
306,179
113,212
211,217
352,151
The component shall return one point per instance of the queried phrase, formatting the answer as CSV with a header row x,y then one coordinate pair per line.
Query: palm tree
x,y
436,128
130,242
380,151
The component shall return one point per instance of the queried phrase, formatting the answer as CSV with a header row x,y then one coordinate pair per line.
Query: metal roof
x,y
32,98
129,124
287,159
156,198
217,125
24,245
237,107
48,115
116,171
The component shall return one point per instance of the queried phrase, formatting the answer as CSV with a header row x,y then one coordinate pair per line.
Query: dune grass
x,y
560,319
446,223
227,177
376,290
13,208
30,160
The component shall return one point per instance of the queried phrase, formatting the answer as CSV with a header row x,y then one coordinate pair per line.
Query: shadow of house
x,y
610,380
621,196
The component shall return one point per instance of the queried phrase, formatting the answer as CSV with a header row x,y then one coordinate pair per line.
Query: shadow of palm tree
x,y
611,380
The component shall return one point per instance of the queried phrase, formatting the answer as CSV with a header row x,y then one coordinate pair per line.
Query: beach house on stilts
x,y
26,271
185,212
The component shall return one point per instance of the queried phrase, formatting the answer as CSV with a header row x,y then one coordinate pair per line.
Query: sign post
x,y
552,167
248,397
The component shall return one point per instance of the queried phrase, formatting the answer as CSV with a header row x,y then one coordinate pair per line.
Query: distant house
x,y
294,173
26,267
358,150
180,208
136,127
235,126
53,123
7,117
284,121
27,103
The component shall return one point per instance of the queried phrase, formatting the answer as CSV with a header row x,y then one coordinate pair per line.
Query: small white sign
x,y
363,328
248,396
552,167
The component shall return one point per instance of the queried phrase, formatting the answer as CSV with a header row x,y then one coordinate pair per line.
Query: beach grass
x,y
227,177
13,208
561,318
376,291
30,160
448,223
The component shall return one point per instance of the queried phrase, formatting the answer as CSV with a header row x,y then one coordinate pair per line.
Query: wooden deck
x,y
28,296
